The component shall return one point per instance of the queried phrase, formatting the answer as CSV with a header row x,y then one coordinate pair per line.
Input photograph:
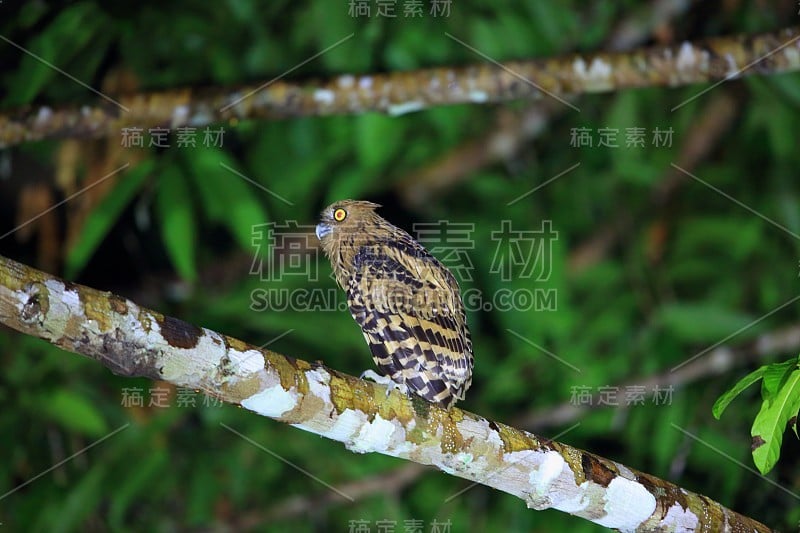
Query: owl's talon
x,y
384,380
372,376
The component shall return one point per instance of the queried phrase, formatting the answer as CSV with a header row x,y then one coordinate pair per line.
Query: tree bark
x,y
717,59
134,341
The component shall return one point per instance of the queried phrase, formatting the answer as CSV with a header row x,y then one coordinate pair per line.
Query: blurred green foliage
x,y
686,275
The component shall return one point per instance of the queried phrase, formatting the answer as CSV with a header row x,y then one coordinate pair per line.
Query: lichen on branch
x,y
134,341
709,60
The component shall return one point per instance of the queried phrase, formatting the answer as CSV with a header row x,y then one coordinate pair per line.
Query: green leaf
x,y
723,401
774,377
104,216
206,168
61,43
178,230
74,412
228,194
771,420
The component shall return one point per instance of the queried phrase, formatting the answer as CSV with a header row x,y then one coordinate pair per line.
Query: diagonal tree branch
x,y
134,341
717,362
709,60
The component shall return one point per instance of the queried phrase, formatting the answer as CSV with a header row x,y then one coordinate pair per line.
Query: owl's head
x,y
345,219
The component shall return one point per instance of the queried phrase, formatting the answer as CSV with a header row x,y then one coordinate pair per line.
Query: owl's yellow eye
x,y
339,215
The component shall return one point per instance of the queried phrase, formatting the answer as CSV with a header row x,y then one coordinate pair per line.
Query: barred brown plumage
x,y
406,302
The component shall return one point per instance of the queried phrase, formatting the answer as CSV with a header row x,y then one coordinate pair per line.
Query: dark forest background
x,y
650,267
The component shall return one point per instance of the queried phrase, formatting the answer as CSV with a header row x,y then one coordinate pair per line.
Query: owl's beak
x,y
322,230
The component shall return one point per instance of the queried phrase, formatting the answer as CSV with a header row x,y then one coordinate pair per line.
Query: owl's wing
x,y
410,311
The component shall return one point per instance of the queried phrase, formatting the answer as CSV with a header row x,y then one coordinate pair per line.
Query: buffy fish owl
x,y
406,302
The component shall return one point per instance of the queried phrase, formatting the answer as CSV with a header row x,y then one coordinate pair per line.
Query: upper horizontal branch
x,y
134,341
716,59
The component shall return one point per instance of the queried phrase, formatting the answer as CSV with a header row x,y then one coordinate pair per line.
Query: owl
x,y
406,302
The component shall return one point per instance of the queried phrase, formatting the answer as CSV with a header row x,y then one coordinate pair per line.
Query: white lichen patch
x,y
464,464
62,307
319,382
690,59
374,436
248,362
272,402
180,115
445,467
69,298
624,471
597,76
493,438
481,431
405,107
365,82
44,114
403,448
512,458
354,429
478,96
206,356
733,68
687,58
346,81
792,55
343,429
552,483
576,500
680,519
324,96
202,117
550,465
627,504
464,458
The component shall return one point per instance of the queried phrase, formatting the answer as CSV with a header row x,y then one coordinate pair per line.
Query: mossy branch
x,y
134,341
710,60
